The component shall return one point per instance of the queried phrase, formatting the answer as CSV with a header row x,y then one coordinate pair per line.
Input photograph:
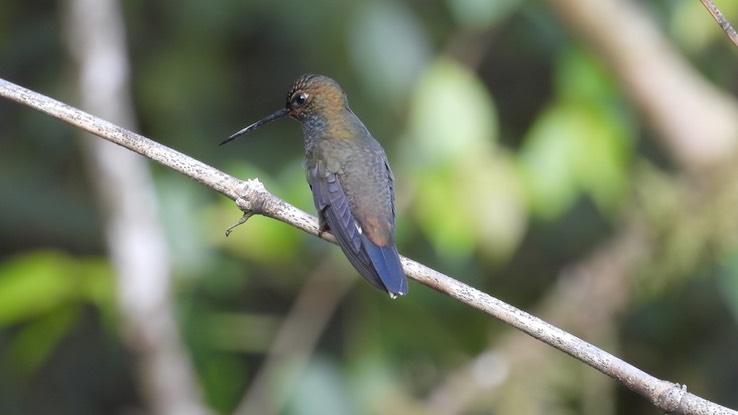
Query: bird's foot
x,y
323,228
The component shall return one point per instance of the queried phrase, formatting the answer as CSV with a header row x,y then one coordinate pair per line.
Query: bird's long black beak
x,y
269,118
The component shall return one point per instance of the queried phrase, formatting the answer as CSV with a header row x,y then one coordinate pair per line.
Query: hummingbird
x,y
349,176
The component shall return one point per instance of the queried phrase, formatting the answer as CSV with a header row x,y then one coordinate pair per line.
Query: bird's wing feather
x,y
379,265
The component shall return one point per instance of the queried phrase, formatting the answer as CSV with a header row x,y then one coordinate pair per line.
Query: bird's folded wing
x,y
331,201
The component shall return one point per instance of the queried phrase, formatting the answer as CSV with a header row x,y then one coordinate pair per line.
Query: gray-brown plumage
x,y
350,178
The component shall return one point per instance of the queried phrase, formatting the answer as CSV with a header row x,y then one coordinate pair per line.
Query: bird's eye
x,y
299,100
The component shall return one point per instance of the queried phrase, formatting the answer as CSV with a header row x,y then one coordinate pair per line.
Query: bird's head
x,y
314,94
310,96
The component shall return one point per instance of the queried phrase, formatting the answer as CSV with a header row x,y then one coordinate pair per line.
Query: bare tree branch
x,y
722,21
251,197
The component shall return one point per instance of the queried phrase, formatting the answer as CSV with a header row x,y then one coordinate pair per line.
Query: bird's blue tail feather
x,y
387,263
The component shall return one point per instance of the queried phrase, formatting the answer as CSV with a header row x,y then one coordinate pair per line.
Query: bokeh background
x,y
574,158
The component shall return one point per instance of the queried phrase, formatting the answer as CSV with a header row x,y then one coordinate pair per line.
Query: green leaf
x,y
468,191
37,283
474,205
41,293
575,148
35,341
580,144
580,77
452,115
546,158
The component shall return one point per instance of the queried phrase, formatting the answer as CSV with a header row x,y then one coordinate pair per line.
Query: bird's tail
x,y
386,263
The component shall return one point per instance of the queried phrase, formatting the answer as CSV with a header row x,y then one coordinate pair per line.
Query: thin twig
x,y
251,196
722,21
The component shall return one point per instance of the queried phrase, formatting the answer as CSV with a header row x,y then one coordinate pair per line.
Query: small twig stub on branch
x,y
722,21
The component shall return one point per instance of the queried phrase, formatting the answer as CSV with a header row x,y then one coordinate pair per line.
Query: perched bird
x,y
349,176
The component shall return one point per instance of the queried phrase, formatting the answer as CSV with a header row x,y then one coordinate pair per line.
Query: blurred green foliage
x,y
454,156
41,293
515,154
580,144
